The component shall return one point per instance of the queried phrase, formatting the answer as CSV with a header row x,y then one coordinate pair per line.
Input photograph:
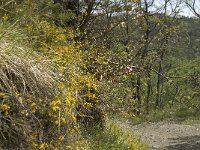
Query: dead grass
x,y
22,68
23,73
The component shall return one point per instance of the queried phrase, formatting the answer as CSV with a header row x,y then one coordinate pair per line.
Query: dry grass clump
x,y
23,69
27,85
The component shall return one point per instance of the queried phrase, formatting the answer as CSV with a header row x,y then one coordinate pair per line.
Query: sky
x,y
158,5
184,10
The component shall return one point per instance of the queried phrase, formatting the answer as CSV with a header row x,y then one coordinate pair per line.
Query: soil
x,y
167,135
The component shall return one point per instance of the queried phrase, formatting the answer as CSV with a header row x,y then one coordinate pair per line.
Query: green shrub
x,y
113,137
36,110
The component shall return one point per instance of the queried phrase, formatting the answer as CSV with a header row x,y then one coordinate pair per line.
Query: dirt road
x,y
167,135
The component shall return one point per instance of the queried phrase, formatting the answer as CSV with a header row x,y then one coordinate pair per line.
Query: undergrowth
x,y
177,112
37,108
113,137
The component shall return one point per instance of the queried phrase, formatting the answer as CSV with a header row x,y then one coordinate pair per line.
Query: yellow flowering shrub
x,y
40,89
72,63
51,91
78,100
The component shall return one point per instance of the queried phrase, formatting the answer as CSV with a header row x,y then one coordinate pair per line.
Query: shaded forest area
x,y
67,66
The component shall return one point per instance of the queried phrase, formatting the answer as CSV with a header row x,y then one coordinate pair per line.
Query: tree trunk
x,y
137,95
159,81
148,90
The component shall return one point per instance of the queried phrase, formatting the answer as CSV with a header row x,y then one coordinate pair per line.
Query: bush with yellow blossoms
x,y
45,92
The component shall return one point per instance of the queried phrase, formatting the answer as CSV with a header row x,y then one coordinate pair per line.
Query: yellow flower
x,y
3,95
63,120
33,104
4,107
68,147
5,18
55,108
43,146
34,145
61,138
56,122
56,105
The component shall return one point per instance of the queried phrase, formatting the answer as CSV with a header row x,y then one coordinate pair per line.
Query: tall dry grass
x,y
25,77
22,68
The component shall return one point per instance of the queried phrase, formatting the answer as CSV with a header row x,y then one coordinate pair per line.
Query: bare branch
x,y
192,6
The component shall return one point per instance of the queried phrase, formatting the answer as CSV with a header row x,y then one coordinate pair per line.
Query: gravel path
x,y
167,135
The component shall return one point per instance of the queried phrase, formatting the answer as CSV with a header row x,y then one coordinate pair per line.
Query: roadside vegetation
x,y
113,137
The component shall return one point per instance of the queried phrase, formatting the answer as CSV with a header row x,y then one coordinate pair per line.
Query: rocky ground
x,y
167,135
